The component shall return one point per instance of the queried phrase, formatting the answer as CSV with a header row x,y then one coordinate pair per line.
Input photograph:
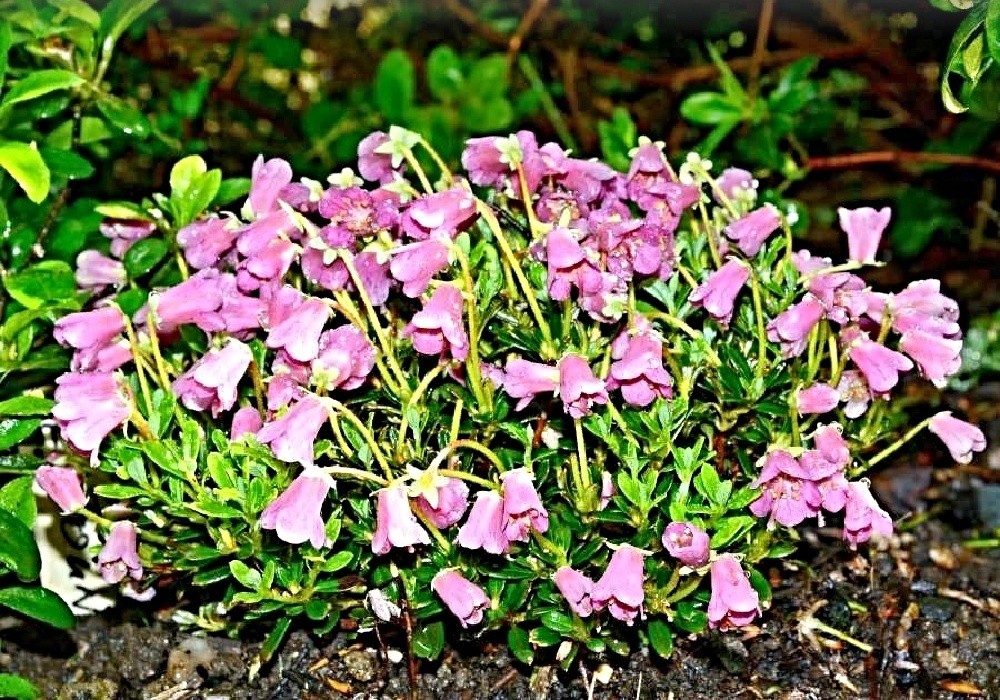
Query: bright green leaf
x,y
124,116
144,255
249,578
26,406
36,286
26,166
17,688
5,42
80,10
661,638
184,173
709,108
444,73
39,603
428,641
41,82
116,17
16,497
395,85
14,431
520,645
18,551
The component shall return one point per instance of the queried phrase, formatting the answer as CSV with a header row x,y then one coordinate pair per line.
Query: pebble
x,y
937,609
359,665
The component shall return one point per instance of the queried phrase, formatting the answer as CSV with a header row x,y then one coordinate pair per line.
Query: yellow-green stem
x,y
713,245
353,419
581,450
432,528
758,310
359,474
133,342
473,371
413,163
690,332
435,156
258,388
529,209
414,397
888,451
456,421
482,449
471,478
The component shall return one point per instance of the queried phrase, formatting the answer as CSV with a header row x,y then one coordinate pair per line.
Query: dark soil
x,y
929,608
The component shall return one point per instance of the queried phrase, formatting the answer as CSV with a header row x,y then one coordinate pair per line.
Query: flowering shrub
x,y
549,397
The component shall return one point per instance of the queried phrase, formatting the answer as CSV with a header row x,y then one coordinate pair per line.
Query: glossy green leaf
x,y
274,639
954,63
709,108
18,551
39,603
250,578
231,189
124,116
395,85
17,688
26,166
661,638
19,464
42,283
428,641
26,406
444,73
116,17
67,164
5,42
992,26
184,173
80,10
41,82
144,255
17,497
14,431
520,645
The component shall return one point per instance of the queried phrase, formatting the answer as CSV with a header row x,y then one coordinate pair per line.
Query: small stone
x,y
102,689
937,609
360,666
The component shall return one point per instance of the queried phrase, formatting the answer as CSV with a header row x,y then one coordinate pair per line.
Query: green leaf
x,y
116,17
395,85
661,638
16,497
41,82
274,639
19,464
955,60
80,10
231,189
15,687
337,562
428,641
249,578
39,603
144,255
67,164
184,173
557,621
26,166
993,29
5,42
489,77
119,492
617,138
124,116
14,431
444,73
520,645
26,406
710,108
42,283
18,551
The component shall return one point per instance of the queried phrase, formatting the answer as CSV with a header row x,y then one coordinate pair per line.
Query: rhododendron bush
x,y
538,395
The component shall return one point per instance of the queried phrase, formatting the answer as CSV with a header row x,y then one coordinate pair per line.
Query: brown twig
x,y
524,28
760,47
851,160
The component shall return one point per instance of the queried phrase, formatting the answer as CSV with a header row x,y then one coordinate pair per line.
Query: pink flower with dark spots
x,y
523,379
120,557
346,358
212,381
63,485
95,271
717,294
292,435
620,588
753,229
880,365
789,493
299,332
466,600
863,516
267,178
207,241
485,526
638,370
687,544
522,506
864,228
88,407
734,602
415,264
817,399
961,438
246,421
579,389
442,213
437,329
792,327
453,501
576,588
938,358
395,524
296,515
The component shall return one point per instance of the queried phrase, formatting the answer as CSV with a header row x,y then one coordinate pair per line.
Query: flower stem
x,y
472,369
680,325
533,224
133,342
758,310
413,163
581,450
154,344
359,474
442,166
466,476
888,451
353,419
141,425
433,529
258,388
713,245
414,397
482,449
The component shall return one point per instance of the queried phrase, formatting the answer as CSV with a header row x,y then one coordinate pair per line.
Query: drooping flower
x,y
486,524
523,379
299,332
206,241
566,260
88,407
466,600
734,602
818,398
752,230
120,557
922,306
717,294
938,358
792,326
125,232
522,506
687,543
579,389
444,213
415,264
267,178
63,486
638,370
97,338
346,358
95,271
880,365
961,438
195,300
373,164
452,502
292,435
737,183
212,381
864,229
854,393
295,515
246,421
789,493
863,516
437,329
620,587
395,524
576,588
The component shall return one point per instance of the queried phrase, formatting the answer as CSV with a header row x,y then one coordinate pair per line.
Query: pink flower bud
x,y
295,515
576,588
246,421
375,167
819,398
292,435
266,180
717,294
63,486
119,556
484,528
864,229
579,389
961,438
736,182
465,599
880,365
438,329
95,271
522,506
734,602
687,544
395,524
620,588
88,407
212,381
863,517
453,501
